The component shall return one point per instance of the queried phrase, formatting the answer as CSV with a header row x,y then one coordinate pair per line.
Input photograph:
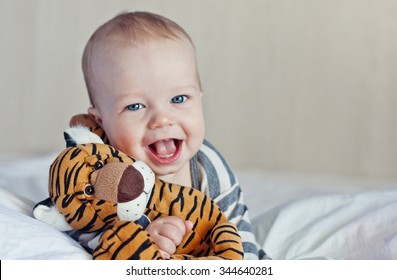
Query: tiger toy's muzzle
x,y
128,186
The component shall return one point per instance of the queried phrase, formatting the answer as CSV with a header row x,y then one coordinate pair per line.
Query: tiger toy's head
x,y
94,185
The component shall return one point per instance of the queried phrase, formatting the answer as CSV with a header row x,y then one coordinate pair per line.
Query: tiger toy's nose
x,y
134,190
131,185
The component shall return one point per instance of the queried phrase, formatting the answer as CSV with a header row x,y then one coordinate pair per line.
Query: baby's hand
x,y
168,232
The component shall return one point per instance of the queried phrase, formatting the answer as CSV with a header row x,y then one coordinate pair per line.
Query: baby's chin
x,y
175,173
164,171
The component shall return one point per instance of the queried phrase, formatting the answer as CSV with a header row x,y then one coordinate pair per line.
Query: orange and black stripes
x,y
190,204
128,241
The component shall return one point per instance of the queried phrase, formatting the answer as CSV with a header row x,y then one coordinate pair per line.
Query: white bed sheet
x,y
23,183
23,237
295,216
350,226
307,216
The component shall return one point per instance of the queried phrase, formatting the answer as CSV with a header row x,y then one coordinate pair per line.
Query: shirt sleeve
x,y
219,182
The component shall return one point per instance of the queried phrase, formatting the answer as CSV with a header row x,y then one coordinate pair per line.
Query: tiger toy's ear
x,y
80,135
46,212
88,121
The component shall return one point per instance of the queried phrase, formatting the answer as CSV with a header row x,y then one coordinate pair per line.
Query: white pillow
x,y
23,237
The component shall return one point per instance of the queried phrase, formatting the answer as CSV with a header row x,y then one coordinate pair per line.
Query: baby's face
x,y
149,102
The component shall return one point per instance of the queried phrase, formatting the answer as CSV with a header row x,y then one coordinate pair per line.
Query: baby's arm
x,y
220,183
232,203
167,233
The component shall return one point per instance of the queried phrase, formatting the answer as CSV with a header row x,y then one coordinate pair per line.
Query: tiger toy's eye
x,y
98,165
89,190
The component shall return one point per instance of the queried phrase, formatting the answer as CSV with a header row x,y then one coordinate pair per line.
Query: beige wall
x,y
304,85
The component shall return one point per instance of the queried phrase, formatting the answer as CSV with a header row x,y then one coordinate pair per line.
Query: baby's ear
x,y
46,212
80,135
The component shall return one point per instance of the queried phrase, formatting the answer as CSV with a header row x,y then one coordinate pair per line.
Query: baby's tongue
x,y
164,147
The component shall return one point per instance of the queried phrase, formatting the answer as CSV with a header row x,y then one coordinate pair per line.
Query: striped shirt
x,y
212,175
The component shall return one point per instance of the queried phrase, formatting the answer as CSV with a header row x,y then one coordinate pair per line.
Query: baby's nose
x,y
160,120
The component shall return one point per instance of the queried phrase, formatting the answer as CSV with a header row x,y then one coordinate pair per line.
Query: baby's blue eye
x,y
134,107
179,99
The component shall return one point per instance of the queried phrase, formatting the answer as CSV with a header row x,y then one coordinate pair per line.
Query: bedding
x,y
295,216
359,226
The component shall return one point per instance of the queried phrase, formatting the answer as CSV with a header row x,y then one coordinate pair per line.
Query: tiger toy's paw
x,y
227,242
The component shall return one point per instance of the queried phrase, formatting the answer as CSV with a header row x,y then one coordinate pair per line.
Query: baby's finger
x,y
188,226
165,244
164,254
172,232
175,221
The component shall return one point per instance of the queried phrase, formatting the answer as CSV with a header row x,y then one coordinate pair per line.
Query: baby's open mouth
x,y
165,150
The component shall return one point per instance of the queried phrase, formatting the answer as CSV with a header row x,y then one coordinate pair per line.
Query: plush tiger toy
x,y
94,187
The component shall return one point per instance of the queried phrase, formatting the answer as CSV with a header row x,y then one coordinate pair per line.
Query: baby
x,y
144,87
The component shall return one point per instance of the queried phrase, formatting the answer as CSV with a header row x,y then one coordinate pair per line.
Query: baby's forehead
x,y
124,41
117,53
104,51
122,31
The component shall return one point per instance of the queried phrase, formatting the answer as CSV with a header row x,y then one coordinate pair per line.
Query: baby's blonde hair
x,y
127,28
